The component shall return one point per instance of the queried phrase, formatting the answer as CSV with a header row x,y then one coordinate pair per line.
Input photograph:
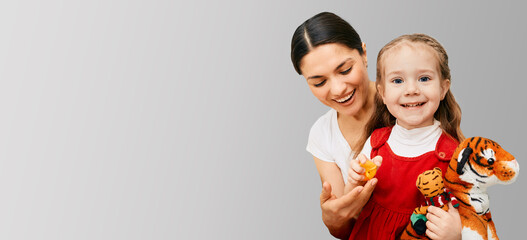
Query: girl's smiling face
x,y
337,76
412,87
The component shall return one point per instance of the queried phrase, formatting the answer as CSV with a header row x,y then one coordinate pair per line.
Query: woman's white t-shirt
x,y
327,143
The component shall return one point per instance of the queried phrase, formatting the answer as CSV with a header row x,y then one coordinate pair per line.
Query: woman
x,y
329,53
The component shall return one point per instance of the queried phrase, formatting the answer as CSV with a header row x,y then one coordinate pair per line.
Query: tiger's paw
x,y
419,227
418,223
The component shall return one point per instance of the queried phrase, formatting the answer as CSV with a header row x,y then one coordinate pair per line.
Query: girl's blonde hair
x,y
448,112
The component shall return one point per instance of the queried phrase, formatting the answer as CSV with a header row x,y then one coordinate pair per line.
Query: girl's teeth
x,y
413,105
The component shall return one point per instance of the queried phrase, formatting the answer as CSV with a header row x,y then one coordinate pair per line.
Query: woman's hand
x,y
442,224
338,213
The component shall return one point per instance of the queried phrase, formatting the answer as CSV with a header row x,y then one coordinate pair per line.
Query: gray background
x,y
178,120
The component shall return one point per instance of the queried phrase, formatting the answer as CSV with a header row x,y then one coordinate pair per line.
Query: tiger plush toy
x,y
430,184
478,163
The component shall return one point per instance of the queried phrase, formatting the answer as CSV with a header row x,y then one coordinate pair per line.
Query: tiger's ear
x,y
437,169
461,163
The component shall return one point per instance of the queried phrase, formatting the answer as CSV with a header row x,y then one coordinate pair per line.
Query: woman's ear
x,y
364,55
445,86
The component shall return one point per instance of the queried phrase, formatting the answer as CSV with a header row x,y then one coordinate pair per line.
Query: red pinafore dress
x,y
388,211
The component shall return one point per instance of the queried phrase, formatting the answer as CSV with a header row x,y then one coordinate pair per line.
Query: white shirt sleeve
x,y
326,142
366,150
317,143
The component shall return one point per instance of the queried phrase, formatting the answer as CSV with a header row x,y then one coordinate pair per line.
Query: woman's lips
x,y
346,98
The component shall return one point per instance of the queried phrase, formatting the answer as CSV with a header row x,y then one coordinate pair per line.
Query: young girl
x,y
416,129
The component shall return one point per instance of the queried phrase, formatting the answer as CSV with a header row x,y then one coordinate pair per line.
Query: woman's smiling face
x,y
337,76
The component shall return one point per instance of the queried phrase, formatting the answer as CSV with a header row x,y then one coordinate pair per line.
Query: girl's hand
x,y
356,171
442,224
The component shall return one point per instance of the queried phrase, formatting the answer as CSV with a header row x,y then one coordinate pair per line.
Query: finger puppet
x,y
370,169
430,184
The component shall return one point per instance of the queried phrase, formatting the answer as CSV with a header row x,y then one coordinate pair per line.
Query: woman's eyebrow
x,y
337,68
343,62
314,77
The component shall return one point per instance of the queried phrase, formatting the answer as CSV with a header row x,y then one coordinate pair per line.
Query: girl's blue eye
x,y
346,71
320,84
397,81
424,79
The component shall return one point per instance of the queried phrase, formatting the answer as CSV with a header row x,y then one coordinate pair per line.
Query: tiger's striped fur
x,y
478,163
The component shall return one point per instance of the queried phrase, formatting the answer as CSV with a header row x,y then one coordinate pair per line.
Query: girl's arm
x,y
338,210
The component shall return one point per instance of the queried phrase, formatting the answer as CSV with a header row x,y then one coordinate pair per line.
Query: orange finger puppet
x,y
371,169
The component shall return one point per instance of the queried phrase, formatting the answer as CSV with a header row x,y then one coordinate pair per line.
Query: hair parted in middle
x,y
323,28
448,112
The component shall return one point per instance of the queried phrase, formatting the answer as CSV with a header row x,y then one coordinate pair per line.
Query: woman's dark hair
x,y
322,28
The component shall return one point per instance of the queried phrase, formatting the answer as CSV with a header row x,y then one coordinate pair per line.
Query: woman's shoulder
x,y
322,142
324,123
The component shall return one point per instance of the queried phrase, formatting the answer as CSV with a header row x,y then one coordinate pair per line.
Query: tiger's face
x,y
430,182
483,162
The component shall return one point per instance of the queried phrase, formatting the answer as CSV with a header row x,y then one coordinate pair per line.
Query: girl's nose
x,y
412,88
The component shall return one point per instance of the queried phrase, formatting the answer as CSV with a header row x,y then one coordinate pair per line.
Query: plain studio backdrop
x,y
185,119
